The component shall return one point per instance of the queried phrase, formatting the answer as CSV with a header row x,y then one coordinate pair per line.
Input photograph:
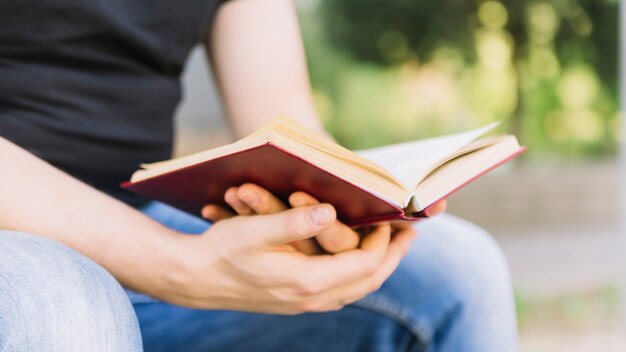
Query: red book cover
x,y
276,170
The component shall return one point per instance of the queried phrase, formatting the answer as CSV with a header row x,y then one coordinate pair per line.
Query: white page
x,y
410,162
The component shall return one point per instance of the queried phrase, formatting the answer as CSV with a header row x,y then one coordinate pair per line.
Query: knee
x,y
55,297
454,286
472,260
471,268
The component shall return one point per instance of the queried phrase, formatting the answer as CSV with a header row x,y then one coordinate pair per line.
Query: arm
x,y
259,63
39,199
240,263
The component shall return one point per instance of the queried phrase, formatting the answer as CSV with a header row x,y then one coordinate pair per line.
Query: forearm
x,y
260,65
39,199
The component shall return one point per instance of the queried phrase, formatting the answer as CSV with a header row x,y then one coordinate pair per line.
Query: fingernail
x,y
321,215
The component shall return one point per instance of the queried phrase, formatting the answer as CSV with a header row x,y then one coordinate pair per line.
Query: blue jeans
x,y
451,293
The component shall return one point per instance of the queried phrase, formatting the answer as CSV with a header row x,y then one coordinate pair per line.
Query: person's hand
x,y
250,199
244,263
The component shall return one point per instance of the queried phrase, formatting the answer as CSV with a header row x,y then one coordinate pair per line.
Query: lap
x,y
169,328
451,290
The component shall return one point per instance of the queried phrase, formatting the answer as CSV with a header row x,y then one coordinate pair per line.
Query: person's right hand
x,y
244,263
250,199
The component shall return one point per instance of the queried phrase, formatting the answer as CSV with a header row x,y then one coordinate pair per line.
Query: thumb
x,y
288,226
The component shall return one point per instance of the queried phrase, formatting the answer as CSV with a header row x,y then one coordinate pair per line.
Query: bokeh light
x,y
493,14
402,70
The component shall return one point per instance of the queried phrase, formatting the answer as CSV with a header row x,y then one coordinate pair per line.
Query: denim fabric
x,y
451,293
55,299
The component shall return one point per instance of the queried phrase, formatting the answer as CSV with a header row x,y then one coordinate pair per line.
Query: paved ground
x,y
562,266
609,337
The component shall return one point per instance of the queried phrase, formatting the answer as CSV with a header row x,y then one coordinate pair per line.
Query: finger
x,y
338,237
233,200
263,202
260,200
401,224
308,246
345,295
329,271
398,248
216,213
300,199
436,208
284,227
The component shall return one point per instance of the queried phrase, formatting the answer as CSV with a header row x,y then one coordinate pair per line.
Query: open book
x,y
394,182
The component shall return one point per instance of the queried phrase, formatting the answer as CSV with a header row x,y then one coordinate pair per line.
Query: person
x,y
87,92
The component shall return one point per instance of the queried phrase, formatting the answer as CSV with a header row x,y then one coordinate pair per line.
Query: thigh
x,y
169,328
451,292
55,299
165,327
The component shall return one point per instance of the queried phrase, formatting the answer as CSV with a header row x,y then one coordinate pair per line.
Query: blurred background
x,y
396,70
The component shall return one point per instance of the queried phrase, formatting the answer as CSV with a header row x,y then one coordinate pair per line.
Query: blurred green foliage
x,y
592,309
386,71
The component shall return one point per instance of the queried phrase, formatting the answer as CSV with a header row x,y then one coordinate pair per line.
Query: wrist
x,y
183,270
150,261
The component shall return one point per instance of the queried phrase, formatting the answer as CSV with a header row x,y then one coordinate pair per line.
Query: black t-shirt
x,y
91,85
